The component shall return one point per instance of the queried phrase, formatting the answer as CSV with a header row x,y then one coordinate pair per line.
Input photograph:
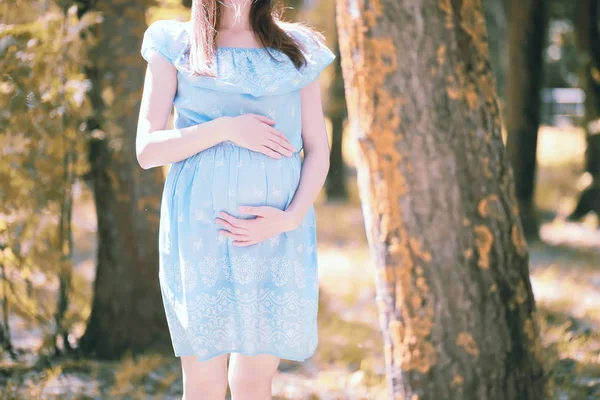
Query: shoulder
x,y
167,37
168,28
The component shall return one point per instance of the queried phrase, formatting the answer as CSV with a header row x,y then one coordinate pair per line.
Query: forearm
x,y
167,146
312,178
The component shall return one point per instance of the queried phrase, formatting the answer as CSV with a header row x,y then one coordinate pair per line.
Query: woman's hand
x,y
269,221
256,133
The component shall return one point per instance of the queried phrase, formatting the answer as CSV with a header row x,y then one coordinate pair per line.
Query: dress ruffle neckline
x,y
254,71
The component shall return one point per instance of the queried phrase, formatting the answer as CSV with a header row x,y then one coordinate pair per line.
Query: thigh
x,y
261,367
203,373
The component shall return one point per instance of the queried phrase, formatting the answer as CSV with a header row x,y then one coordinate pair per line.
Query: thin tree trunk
x,y
588,38
127,313
65,234
526,39
65,241
453,290
336,186
5,340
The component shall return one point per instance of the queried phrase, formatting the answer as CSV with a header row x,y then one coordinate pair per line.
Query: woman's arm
x,y
156,145
316,153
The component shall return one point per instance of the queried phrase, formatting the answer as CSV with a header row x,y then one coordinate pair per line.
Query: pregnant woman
x,y
238,262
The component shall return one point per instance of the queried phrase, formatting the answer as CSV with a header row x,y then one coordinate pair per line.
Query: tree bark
x,y
336,186
526,39
127,313
588,40
442,221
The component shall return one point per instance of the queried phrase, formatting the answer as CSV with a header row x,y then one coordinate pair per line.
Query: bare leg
x,y
205,380
250,377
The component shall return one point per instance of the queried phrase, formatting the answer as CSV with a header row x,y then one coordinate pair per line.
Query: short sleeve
x,y
317,54
164,37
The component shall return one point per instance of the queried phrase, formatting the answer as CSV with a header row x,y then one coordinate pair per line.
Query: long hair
x,y
265,22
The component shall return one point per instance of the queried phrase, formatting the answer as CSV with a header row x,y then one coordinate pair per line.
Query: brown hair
x,y
265,23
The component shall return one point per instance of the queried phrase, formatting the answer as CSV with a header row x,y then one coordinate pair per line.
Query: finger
x,y
247,243
278,148
264,119
234,236
282,136
260,211
282,143
231,228
236,222
266,150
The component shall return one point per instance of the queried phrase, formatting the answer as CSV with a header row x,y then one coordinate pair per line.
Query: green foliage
x,y
43,105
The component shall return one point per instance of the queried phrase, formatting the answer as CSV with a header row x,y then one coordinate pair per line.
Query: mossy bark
x,y
442,221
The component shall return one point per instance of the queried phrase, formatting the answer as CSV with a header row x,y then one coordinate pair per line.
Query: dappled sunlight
x,y
571,295
560,146
584,235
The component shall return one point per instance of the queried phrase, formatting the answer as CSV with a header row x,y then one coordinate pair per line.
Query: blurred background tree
x,y
588,42
495,12
43,109
526,42
127,296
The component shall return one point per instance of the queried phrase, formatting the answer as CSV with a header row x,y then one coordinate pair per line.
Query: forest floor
x,y
348,364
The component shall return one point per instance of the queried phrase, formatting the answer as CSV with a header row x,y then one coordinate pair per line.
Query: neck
x,y
235,15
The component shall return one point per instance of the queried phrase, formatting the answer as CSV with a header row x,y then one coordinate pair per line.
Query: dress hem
x,y
245,353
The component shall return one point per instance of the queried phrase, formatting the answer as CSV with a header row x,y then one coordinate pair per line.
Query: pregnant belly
x,y
226,176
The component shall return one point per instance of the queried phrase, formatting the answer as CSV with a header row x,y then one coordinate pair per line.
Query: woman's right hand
x,y
255,132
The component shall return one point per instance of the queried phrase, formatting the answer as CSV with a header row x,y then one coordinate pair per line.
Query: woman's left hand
x,y
269,221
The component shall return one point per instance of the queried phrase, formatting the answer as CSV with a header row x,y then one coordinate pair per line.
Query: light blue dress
x,y
219,298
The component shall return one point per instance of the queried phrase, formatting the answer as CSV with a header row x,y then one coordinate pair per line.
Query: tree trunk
x,y
495,15
127,313
453,290
336,186
588,39
526,39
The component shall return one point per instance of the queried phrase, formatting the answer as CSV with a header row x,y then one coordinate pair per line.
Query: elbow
x,y
143,164
142,157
